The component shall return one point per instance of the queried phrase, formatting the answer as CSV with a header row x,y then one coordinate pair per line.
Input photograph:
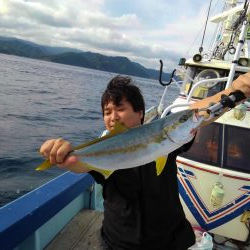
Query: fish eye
x,y
183,119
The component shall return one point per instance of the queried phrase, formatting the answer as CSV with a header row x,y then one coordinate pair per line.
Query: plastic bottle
x,y
217,194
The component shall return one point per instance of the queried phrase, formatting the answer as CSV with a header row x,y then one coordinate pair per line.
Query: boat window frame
x,y
194,69
219,152
225,159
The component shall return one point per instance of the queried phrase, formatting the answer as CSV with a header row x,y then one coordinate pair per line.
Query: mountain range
x,y
70,56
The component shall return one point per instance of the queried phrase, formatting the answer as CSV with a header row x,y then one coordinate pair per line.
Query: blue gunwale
x,y
20,218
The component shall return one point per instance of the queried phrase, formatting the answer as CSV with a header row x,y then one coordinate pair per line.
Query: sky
x,y
142,30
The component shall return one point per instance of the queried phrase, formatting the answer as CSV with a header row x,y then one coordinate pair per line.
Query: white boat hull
x,y
196,182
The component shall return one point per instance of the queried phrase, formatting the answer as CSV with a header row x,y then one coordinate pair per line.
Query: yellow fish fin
x,y
118,128
160,164
45,165
105,172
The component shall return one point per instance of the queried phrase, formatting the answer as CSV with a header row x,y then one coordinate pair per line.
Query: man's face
x,y
123,113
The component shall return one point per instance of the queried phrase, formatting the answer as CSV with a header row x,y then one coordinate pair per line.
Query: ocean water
x,y
41,100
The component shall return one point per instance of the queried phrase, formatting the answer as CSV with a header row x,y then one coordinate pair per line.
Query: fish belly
x,y
123,160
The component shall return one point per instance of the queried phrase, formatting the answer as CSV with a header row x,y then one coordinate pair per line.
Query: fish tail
x,y
45,165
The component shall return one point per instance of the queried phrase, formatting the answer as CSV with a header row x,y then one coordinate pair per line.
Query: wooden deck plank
x,y
82,232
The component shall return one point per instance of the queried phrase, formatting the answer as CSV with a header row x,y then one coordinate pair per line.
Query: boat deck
x,y
82,232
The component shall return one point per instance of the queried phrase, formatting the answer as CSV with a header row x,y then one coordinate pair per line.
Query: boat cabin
x,y
216,144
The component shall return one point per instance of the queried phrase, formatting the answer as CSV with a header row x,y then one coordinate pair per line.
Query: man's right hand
x,y
57,152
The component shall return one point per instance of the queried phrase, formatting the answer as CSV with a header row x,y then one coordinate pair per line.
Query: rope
x,y
200,30
201,48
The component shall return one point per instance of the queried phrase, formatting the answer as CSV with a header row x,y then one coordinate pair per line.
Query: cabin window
x,y
237,149
187,83
199,74
206,148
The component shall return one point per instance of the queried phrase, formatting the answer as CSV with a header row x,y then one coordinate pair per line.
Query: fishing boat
x,y
214,175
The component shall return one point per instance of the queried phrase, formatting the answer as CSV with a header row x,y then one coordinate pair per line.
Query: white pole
x,y
237,54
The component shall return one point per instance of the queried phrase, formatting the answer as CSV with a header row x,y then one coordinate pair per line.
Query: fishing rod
x,y
226,101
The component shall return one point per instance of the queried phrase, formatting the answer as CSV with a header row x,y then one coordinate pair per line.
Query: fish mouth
x,y
196,116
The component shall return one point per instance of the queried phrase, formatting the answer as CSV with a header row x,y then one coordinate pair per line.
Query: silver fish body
x,y
142,144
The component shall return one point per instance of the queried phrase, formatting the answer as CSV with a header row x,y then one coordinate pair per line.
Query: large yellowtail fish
x,y
127,148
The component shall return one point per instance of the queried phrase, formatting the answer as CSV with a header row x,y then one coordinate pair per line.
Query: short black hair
x,y
123,87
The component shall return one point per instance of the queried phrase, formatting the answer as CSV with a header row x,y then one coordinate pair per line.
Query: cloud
x,y
142,30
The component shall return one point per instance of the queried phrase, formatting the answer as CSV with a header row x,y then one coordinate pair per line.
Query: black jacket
x,y
142,211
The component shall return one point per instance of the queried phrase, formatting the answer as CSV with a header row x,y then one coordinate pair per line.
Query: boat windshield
x,y
207,147
199,74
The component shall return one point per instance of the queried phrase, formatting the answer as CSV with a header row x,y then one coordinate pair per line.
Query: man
x,y
141,210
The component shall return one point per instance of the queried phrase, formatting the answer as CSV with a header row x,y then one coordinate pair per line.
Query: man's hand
x,y
57,152
242,83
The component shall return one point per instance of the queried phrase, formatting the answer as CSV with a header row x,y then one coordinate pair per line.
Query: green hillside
x,y
116,64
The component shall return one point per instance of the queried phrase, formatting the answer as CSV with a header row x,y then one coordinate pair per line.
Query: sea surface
x,y
41,100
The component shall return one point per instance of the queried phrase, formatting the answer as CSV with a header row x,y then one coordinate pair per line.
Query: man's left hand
x,y
242,83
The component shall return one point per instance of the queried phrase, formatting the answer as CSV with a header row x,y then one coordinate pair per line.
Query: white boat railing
x,y
170,107
222,79
177,83
161,105
188,100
